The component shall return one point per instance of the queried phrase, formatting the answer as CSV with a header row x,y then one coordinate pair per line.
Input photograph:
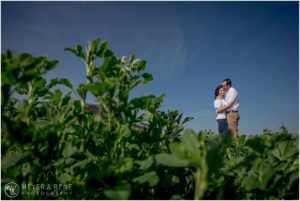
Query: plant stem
x,y
198,190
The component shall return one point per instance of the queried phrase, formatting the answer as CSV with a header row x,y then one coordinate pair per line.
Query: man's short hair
x,y
228,81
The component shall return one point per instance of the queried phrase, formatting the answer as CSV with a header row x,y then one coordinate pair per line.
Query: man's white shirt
x,y
230,95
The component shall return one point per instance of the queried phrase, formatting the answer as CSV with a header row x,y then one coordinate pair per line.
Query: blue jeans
x,y
222,125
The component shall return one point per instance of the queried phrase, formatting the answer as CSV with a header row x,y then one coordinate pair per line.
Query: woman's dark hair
x,y
217,90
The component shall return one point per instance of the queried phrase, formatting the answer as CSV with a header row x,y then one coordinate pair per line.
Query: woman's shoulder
x,y
218,101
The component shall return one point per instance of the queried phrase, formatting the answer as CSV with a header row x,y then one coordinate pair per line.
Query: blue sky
x,y
190,48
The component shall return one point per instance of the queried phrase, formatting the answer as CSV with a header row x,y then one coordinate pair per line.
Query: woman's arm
x,y
225,107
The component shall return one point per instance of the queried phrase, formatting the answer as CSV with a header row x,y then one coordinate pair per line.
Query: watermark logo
x,y
46,190
12,190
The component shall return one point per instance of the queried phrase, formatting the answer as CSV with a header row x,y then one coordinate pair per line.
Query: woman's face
x,y
221,92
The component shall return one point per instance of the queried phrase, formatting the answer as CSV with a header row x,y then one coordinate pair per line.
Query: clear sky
x,y
190,48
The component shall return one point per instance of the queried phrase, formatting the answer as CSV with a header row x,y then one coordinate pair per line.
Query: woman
x,y
221,106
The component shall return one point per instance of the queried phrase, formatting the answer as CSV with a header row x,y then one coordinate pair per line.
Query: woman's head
x,y
219,91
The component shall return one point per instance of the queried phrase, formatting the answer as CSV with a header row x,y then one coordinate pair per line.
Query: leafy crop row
x,y
129,149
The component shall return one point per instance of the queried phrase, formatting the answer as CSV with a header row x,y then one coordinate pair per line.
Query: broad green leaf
x,y
256,143
187,119
189,139
142,65
276,153
121,192
59,162
290,152
11,160
157,103
81,164
132,57
13,65
293,166
176,197
214,160
293,178
8,77
145,164
65,178
124,95
251,182
61,81
81,90
143,101
77,51
39,83
69,150
51,65
25,59
98,89
171,160
125,165
106,63
282,146
103,49
108,53
125,131
175,179
66,100
147,76
149,177
69,161
147,116
267,174
178,150
71,50
284,151
92,45
178,119
57,96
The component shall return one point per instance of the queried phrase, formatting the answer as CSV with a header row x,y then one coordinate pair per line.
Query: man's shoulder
x,y
233,90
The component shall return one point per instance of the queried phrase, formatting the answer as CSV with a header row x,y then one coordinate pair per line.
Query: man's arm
x,y
225,107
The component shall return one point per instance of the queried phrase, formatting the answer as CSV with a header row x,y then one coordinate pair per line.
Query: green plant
x,y
55,139
128,148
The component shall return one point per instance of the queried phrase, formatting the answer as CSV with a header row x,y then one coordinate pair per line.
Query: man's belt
x,y
232,111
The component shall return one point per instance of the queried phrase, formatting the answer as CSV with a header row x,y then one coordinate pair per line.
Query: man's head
x,y
226,84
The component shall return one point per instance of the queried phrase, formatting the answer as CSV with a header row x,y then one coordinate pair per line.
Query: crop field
x,y
55,146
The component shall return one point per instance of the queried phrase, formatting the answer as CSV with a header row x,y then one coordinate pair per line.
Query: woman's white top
x,y
219,103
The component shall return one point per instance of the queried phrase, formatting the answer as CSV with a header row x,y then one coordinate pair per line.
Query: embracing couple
x,y
226,104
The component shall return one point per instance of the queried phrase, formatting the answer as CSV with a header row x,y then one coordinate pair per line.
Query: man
x,y
232,113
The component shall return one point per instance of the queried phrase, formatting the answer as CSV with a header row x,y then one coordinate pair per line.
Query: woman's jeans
x,y
222,125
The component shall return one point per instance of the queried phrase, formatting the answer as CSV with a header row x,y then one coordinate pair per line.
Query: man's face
x,y
225,86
